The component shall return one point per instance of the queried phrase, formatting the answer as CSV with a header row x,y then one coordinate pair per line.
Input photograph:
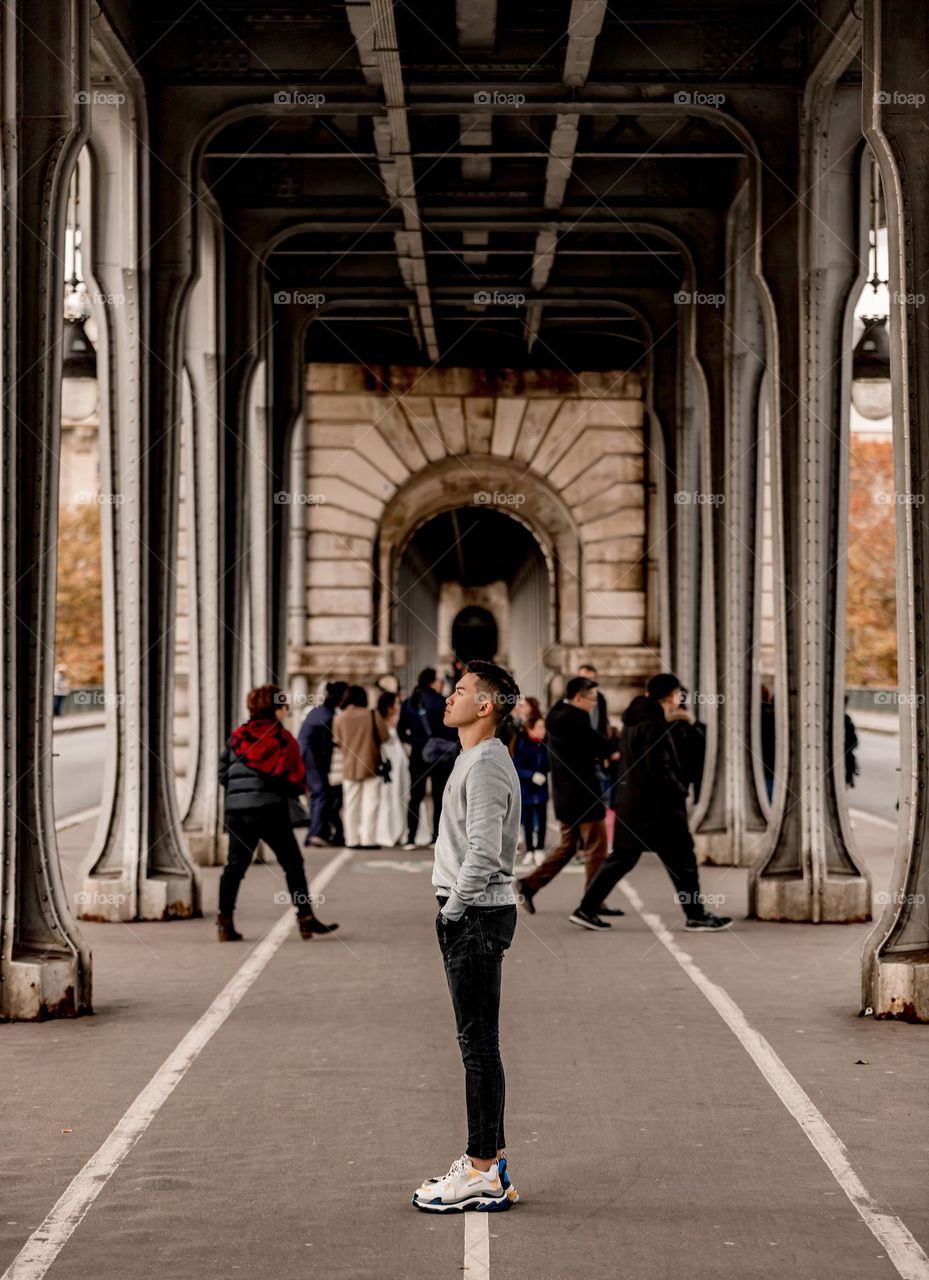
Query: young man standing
x,y
473,877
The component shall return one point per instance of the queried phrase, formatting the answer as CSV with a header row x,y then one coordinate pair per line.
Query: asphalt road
x,y
77,769
878,783
645,1138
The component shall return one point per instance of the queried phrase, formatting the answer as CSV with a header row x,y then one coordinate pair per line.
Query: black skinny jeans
x,y
670,838
472,951
272,825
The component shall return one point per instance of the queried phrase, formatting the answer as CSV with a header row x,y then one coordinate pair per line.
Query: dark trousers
x,y
672,841
472,952
593,835
272,825
534,825
319,803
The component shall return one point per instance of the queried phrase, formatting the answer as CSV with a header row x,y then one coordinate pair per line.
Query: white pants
x,y
359,811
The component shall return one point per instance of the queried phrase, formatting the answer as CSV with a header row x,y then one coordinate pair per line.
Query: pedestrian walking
x,y
432,749
651,811
530,756
60,689
316,747
261,770
359,731
575,749
473,879
395,785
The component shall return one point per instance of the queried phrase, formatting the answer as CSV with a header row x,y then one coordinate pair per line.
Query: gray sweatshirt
x,y
478,831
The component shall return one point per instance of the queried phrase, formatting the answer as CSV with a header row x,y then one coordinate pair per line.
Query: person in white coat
x,y
394,795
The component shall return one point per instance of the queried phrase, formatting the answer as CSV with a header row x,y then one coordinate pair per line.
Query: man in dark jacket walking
x,y
575,749
651,811
316,745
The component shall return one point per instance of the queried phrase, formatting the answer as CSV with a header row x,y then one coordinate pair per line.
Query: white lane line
x,y
73,819
863,814
477,1246
47,1241
901,1247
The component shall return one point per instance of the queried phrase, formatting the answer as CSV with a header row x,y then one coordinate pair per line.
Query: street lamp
x,y
79,357
871,391
78,372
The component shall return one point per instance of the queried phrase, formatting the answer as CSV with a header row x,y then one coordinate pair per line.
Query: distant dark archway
x,y
474,634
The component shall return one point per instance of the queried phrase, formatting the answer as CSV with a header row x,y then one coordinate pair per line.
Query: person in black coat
x,y
261,770
316,747
651,810
433,749
574,750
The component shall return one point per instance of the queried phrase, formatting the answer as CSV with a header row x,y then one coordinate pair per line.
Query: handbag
x,y
382,768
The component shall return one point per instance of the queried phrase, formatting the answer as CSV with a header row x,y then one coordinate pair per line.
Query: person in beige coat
x,y
359,732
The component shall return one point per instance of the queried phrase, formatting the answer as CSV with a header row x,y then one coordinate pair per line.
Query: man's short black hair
x,y
662,685
578,684
497,683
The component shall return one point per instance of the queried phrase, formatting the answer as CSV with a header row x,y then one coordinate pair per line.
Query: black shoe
x,y
226,930
604,910
310,925
525,897
708,921
588,921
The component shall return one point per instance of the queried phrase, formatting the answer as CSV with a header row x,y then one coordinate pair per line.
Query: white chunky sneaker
x,y
463,1188
460,1165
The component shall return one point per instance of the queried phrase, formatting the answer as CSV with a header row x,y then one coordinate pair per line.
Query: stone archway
x,y
563,455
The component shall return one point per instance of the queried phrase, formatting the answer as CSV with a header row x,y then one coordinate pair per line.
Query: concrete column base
x,y
726,849
901,987
42,987
789,898
163,897
207,848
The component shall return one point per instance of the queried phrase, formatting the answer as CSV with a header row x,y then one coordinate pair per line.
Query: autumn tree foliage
x,y
871,618
79,624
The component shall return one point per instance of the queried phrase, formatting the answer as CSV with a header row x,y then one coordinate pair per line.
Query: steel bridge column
x,y
685,581
142,851
728,820
244,348
44,964
207,513
895,961
808,870
288,395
